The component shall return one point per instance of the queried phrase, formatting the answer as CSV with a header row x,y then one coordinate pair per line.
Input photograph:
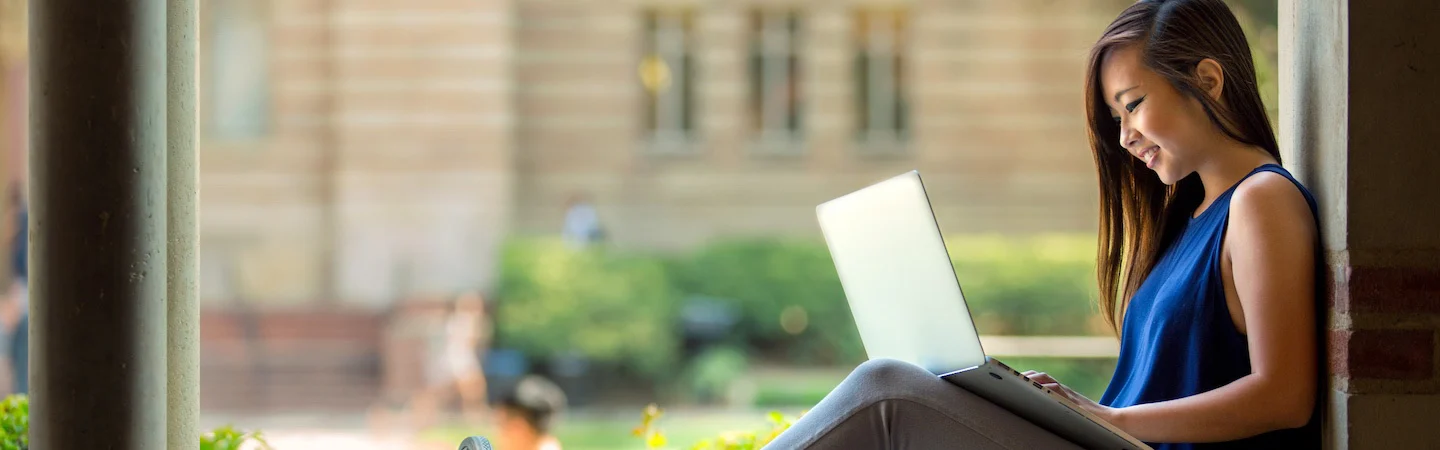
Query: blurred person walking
x,y
15,306
582,223
455,363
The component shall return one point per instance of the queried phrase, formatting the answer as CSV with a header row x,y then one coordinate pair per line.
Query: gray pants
x,y
887,404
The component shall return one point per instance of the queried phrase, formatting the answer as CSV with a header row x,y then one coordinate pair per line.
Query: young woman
x,y
1208,266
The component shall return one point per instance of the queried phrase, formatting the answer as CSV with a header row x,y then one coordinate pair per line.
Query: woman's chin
x,y
1165,176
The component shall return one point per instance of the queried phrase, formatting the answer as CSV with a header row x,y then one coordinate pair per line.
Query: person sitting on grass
x,y
525,415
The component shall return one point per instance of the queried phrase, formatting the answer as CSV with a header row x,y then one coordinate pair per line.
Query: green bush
x,y
711,373
621,307
229,438
1041,285
15,429
15,423
1031,286
655,438
608,306
766,277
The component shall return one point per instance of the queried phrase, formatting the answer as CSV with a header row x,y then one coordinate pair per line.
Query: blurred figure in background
x,y
582,223
524,417
468,334
16,307
455,362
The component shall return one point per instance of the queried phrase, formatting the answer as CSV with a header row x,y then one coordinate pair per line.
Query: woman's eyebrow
x,y
1122,92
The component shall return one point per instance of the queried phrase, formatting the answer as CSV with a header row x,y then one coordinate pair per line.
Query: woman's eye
x,y
1116,119
1130,107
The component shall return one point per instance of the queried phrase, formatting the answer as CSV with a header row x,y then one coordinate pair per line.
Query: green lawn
x,y
787,390
595,431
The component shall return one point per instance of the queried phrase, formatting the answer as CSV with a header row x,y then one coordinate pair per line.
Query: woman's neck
x,y
1232,161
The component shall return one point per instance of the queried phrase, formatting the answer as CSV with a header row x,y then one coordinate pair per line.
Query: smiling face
x,y
1161,126
1173,109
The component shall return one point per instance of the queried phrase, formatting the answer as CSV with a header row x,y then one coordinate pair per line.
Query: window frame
x,y
669,37
885,102
775,45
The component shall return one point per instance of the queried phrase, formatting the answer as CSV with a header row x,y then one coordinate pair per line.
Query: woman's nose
x,y
1128,137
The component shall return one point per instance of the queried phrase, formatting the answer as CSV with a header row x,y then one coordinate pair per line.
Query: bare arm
x,y
1271,238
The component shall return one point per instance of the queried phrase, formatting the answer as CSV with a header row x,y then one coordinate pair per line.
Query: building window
x,y
239,70
882,109
775,80
667,74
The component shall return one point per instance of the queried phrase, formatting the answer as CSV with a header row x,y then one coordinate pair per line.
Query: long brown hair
x,y
1140,215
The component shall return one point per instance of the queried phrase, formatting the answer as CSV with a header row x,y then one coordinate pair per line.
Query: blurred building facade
x,y
356,153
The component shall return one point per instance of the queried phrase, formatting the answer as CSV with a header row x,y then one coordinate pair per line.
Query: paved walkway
x,y
317,432
336,440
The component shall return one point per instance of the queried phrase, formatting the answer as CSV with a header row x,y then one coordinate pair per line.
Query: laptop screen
x,y
898,277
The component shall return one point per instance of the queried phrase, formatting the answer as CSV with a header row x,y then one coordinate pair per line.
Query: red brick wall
x,y
1388,324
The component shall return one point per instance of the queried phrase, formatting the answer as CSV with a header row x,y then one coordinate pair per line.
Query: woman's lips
x,y
1148,155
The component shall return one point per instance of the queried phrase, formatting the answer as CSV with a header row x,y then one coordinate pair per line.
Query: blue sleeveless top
x,y
1177,336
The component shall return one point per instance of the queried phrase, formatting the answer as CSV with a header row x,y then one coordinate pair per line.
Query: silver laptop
x,y
908,306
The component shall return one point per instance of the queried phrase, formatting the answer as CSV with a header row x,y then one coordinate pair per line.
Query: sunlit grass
x,y
613,431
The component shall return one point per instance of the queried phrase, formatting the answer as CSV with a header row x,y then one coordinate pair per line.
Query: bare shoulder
x,y
1267,202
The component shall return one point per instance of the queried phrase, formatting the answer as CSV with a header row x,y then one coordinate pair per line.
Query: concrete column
x,y
1358,102
98,224
182,246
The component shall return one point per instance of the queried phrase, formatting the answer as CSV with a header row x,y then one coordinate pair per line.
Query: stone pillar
x,y
1358,102
98,224
182,243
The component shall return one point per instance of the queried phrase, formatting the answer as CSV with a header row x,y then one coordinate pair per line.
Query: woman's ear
x,y
1211,78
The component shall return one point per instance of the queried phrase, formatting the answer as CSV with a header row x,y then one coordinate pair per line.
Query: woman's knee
x,y
886,372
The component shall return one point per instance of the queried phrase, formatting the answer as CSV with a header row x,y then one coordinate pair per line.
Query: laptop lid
x,y
898,277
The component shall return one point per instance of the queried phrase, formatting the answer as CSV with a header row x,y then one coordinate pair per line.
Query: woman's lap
x,y
891,404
